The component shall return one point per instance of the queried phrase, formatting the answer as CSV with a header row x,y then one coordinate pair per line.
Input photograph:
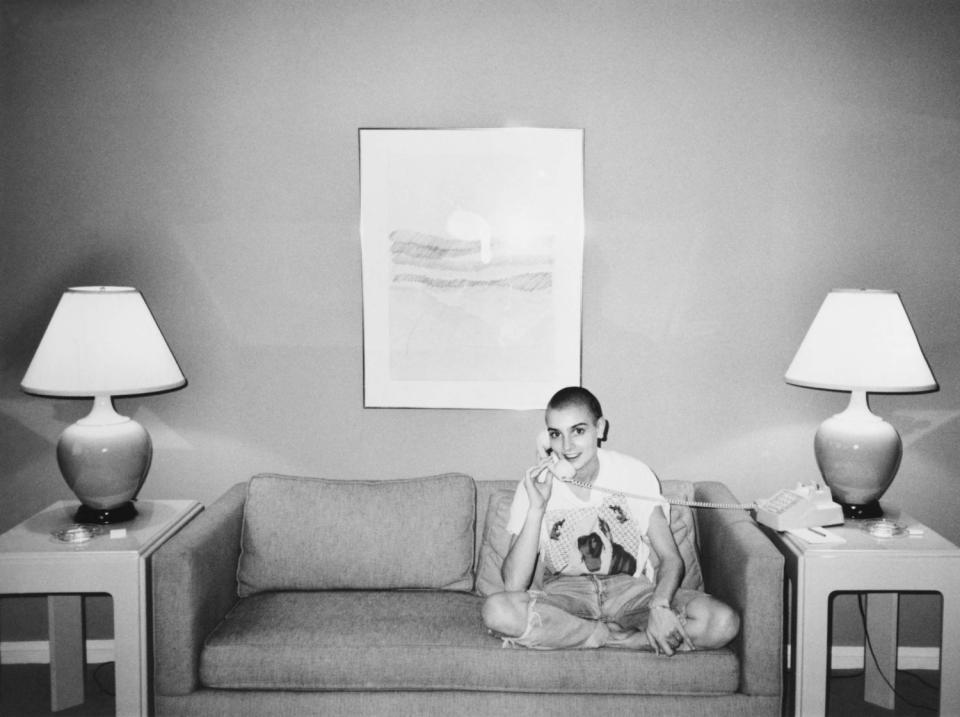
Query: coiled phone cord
x,y
661,499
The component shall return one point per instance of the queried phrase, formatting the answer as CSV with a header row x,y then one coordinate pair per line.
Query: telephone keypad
x,y
781,501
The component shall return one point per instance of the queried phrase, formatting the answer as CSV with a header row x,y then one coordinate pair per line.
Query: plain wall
x,y
741,160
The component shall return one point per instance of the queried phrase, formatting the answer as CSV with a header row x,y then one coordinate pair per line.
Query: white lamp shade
x,y
102,340
861,340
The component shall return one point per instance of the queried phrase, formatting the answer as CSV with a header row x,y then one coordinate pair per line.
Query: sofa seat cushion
x,y
424,640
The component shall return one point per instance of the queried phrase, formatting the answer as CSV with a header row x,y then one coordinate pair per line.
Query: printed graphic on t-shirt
x,y
597,540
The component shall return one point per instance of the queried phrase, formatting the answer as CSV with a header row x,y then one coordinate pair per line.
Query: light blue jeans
x,y
577,612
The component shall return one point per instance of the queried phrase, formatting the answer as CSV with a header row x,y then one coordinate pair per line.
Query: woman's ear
x,y
603,426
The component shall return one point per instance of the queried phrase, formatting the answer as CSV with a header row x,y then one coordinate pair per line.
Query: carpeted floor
x,y
918,695
25,692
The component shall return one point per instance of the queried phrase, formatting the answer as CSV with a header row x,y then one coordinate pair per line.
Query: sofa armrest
x,y
745,570
194,586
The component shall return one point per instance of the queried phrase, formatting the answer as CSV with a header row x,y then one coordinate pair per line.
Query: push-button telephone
x,y
805,506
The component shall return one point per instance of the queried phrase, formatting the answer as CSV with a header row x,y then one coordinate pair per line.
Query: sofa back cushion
x,y
496,539
319,534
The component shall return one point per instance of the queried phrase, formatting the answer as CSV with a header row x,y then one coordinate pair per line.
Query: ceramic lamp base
x,y
858,454
104,458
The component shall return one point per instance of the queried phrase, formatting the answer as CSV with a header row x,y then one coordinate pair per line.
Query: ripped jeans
x,y
578,612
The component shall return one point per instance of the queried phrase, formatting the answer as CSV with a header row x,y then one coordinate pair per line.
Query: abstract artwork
x,y
472,253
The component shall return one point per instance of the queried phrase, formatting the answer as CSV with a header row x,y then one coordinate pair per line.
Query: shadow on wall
x,y
759,461
31,479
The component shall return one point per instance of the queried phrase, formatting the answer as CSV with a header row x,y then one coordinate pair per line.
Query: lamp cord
x,y
876,663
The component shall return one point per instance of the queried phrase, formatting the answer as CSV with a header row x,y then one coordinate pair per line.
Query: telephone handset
x,y
805,506
559,466
543,444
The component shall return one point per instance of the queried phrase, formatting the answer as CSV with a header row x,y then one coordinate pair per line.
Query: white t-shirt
x,y
604,534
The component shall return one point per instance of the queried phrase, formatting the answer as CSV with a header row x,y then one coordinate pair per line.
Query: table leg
x,y
950,648
65,616
812,643
128,622
882,632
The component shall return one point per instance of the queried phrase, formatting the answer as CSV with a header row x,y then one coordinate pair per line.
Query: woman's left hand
x,y
665,632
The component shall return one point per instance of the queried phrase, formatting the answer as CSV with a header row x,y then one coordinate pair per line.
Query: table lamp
x,y
102,341
860,341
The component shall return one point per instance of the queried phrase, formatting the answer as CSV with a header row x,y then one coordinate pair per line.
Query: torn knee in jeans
x,y
551,628
533,620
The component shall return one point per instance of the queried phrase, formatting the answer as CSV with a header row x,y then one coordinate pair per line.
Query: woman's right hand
x,y
538,480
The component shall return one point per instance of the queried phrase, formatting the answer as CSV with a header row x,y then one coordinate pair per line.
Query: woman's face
x,y
574,434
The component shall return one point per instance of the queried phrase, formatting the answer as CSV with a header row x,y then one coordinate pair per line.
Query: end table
x,y
882,567
33,560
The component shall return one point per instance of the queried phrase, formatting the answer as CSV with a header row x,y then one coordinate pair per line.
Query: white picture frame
x,y
472,259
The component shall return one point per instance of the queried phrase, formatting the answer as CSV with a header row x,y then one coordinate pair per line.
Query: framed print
x,y
472,254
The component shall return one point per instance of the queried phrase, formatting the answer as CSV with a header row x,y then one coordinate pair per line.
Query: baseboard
x,y
850,657
843,657
23,652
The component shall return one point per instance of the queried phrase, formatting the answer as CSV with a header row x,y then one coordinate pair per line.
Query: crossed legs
x,y
532,619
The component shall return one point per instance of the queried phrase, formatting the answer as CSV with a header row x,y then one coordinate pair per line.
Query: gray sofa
x,y
305,596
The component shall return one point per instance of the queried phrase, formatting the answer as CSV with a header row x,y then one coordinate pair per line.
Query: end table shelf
x,y
33,560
